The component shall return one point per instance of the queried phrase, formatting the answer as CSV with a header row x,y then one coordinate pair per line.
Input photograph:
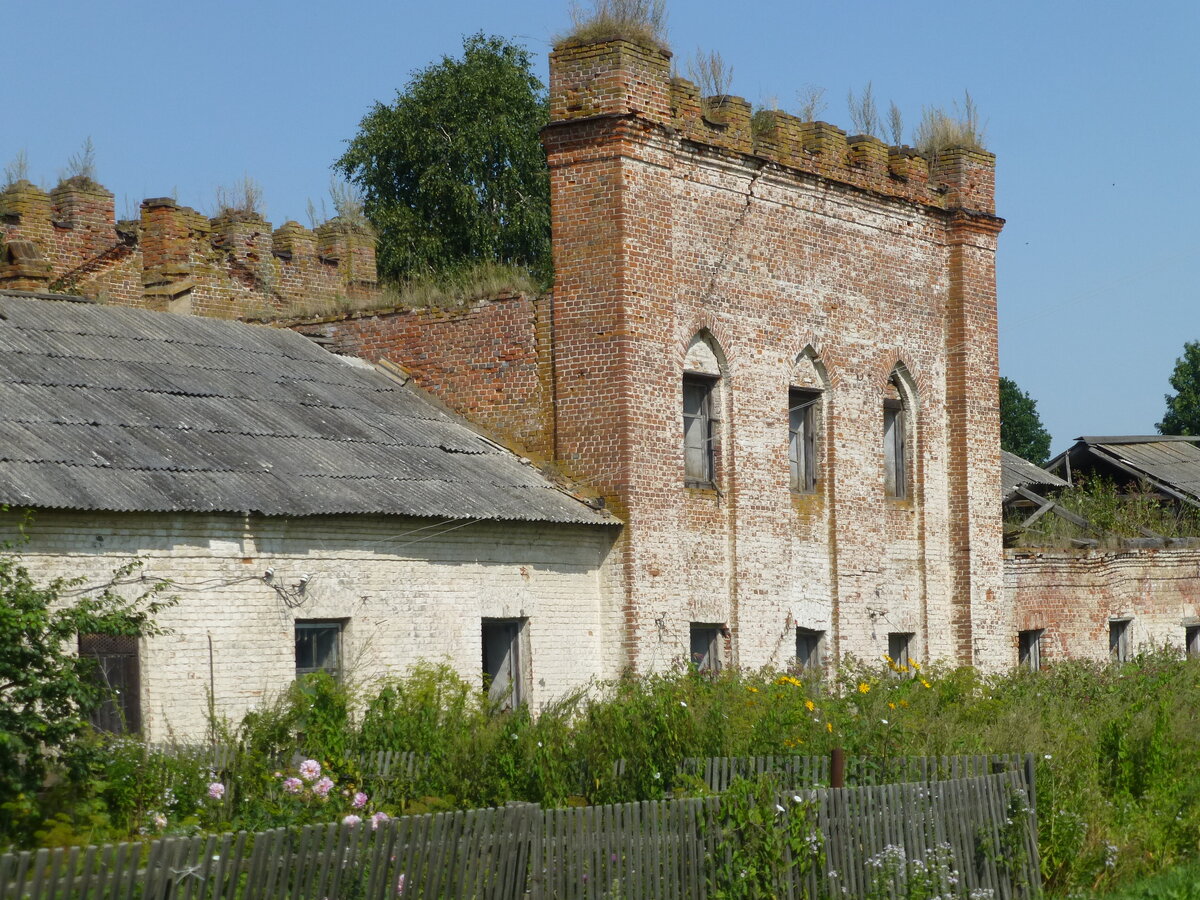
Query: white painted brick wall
x,y
407,594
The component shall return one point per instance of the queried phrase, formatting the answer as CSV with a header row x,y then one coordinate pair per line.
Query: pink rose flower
x,y
216,790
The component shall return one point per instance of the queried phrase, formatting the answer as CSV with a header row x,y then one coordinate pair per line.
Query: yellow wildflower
x,y
863,687
809,705
916,665
888,659
752,689
891,706
925,683
829,727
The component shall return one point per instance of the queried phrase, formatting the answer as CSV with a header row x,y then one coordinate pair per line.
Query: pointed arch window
x,y
699,429
802,439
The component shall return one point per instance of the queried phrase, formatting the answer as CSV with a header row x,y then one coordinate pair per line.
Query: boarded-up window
x,y
319,647
118,671
809,648
1029,649
699,429
894,449
706,647
1118,640
503,662
1191,641
802,439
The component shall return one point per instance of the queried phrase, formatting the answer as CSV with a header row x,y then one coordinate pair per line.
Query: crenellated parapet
x,y
623,79
174,257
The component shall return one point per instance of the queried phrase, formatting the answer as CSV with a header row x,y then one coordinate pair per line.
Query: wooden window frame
x,y
118,669
712,636
895,449
1029,649
901,656
814,659
708,422
315,625
1191,641
515,692
1118,639
802,440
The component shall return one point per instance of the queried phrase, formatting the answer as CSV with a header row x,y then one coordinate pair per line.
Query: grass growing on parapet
x,y
81,166
940,130
864,114
641,21
712,75
243,200
811,100
347,202
17,169
451,290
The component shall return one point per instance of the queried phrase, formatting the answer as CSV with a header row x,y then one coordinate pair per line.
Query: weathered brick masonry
x,y
783,255
406,594
1074,595
174,258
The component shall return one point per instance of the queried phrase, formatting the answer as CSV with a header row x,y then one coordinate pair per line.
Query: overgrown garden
x,y
1118,752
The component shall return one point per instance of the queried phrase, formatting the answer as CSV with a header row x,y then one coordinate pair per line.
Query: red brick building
x,y
771,350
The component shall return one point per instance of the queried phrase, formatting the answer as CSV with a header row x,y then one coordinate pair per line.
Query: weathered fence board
x,y
984,818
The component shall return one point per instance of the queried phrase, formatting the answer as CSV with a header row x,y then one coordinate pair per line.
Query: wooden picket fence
x,y
662,849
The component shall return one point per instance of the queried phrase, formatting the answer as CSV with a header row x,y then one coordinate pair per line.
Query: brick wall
x,y
174,258
673,218
802,257
402,600
489,360
1074,594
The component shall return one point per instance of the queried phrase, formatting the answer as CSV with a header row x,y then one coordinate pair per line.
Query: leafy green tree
x,y
1021,429
46,690
1183,407
453,172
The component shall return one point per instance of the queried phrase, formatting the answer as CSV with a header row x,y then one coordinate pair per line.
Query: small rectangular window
x,y
1118,640
319,647
1191,641
706,647
802,439
900,647
893,449
1029,649
118,672
810,646
699,430
503,662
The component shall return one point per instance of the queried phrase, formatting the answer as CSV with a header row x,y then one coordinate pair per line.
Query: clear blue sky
x,y
1091,108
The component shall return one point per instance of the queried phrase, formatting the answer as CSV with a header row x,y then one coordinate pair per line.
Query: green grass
x,y
1180,883
1117,749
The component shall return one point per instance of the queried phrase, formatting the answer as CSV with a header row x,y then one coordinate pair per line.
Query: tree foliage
x,y
46,689
1021,429
453,172
1183,407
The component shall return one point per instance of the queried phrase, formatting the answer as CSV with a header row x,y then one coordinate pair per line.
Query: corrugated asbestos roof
x,y
1016,472
1170,461
107,408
